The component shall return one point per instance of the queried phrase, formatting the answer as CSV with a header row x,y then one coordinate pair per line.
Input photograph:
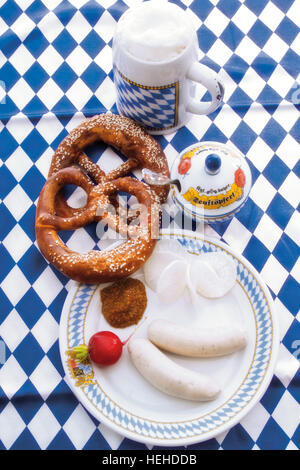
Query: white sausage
x,y
193,342
168,376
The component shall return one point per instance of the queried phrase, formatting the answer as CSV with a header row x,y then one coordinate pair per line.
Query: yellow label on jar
x,y
214,202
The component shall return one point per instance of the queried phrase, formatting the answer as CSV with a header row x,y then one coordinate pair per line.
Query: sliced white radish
x,y
166,251
213,274
155,265
172,281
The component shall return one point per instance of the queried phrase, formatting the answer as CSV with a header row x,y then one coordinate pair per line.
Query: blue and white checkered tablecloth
x,y
55,69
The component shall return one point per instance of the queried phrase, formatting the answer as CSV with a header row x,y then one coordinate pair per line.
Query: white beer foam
x,y
154,31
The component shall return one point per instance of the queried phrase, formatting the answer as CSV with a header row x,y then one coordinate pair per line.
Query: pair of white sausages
x,y
172,378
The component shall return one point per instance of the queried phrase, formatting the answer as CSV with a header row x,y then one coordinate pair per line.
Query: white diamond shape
x,y
45,377
17,202
50,94
13,163
15,278
288,151
247,50
12,376
44,426
286,114
275,47
252,84
227,120
43,163
78,60
77,199
24,4
255,421
22,26
47,286
77,119
262,187
50,26
50,60
274,274
106,93
13,330
287,406
290,189
109,160
198,125
78,27
22,59
219,52
281,81
260,154
11,425
17,242
268,232
104,59
237,235
257,117
271,16
244,18
19,126
45,331
49,127
216,21
79,94
105,26
51,4
21,93
81,241
79,427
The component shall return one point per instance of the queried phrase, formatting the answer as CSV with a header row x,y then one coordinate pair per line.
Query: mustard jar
x,y
210,181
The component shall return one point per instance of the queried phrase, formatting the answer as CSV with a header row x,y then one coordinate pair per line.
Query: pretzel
x,y
95,266
140,149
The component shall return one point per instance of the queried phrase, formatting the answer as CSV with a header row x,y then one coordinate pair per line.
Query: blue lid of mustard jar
x,y
215,181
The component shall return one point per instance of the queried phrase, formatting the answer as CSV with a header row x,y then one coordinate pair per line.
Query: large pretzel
x,y
71,166
140,149
95,266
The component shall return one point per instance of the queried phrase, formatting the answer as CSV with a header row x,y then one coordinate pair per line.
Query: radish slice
x,y
165,252
155,265
172,281
213,274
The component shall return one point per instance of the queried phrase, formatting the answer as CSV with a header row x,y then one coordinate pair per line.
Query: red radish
x,y
105,349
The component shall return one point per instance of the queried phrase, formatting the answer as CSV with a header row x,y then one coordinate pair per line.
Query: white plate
x,y
122,399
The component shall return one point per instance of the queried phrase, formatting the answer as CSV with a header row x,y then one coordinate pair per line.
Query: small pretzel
x,y
140,149
95,266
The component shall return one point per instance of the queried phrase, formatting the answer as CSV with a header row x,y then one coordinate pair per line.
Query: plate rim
x,y
182,441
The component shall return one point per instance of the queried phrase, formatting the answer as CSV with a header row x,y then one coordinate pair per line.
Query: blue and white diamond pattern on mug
x,y
155,107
